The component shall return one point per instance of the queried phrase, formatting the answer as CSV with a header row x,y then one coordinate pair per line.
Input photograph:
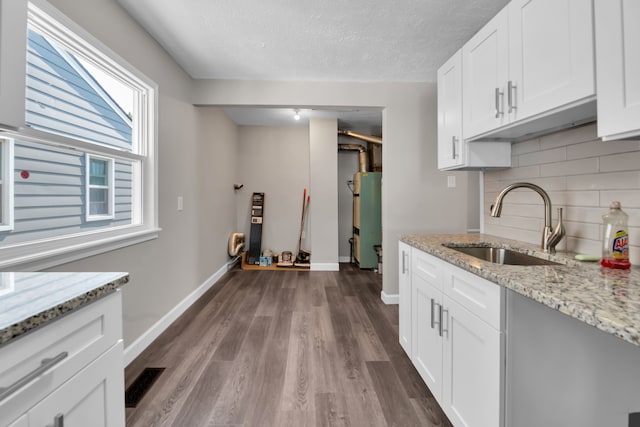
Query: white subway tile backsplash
x,y
569,137
570,167
577,198
542,157
582,175
605,181
628,198
620,162
530,146
600,148
519,173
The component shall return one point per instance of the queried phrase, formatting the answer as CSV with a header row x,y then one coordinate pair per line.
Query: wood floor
x,y
281,348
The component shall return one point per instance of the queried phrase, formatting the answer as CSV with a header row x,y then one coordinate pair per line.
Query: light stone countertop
x,y
30,300
605,298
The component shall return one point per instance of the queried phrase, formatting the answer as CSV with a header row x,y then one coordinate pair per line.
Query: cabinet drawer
x,y
427,267
83,335
481,297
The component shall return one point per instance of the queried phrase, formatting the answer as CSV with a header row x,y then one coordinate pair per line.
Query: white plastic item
x,y
615,238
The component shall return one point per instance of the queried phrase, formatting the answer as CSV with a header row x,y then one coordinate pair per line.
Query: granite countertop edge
x,y
606,299
37,320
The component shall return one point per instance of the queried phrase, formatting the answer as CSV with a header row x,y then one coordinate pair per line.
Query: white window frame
x,y
6,189
46,253
110,187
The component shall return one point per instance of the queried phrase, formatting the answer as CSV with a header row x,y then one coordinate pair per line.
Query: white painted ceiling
x,y
312,40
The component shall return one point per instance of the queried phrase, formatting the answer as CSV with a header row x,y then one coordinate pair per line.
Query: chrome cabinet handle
x,y
511,98
58,420
433,306
499,95
404,269
442,316
454,143
440,321
45,365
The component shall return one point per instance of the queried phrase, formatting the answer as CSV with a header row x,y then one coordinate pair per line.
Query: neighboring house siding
x,y
50,202
63,98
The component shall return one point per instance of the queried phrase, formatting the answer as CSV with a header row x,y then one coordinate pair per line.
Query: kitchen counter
x,y
30,300
604,298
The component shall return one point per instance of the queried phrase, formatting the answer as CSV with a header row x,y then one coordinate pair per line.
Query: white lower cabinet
x,y
91,398
457,343
404,293
68,373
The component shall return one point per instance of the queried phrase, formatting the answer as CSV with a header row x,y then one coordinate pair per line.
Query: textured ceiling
x,y
312,40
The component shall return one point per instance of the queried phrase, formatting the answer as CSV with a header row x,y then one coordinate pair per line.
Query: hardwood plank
x,y
285,348
295,395
429,412
233,404
330,410
393,399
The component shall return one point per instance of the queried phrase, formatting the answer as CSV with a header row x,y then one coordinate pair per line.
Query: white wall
x,y
323,180
196,160
275,161
415,197
582,175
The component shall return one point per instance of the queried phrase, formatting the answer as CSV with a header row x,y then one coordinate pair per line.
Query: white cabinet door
x,y
13,53
404,291
450,142
23,421
93,397
471,368
618,68
484,76
551,55
426,340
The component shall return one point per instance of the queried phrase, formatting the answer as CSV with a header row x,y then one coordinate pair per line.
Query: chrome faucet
x,y
550,238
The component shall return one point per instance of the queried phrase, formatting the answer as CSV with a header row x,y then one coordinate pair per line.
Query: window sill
x,y
35,256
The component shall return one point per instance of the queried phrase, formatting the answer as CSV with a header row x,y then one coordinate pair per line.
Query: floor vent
x,y
136,391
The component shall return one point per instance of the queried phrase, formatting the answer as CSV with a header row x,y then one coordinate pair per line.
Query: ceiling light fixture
x,y
296,114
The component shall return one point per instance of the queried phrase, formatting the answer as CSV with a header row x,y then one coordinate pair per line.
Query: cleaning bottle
x,y
615,238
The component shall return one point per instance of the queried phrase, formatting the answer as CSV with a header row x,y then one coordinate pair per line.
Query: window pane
x,y
99,201
98,172
67,98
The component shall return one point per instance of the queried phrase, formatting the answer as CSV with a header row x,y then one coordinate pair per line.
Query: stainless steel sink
x,y
501,255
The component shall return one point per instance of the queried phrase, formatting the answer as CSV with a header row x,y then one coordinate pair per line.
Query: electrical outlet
x,y
451,181
180,203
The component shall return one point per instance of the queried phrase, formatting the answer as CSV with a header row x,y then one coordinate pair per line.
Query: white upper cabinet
x,y
618,68
450,112
485,62
453,151
551,55
13,45
530,70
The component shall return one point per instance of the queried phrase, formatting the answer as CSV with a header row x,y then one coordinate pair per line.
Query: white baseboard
x,y
390,299
134,349
325,266
344,259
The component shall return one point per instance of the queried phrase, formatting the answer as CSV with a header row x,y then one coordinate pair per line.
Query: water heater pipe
x,y
363,160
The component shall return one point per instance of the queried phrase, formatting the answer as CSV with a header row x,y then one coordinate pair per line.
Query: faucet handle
x,y
557,234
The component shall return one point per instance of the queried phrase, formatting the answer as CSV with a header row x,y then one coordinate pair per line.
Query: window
x,y
85,178
99,188
6,184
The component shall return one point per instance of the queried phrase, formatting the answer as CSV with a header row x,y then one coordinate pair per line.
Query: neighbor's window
x,y
6,184
85,163
99,188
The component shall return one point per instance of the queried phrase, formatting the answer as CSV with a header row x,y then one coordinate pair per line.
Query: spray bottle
x,y
615,238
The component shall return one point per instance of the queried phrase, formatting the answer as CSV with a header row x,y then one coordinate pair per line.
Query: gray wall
x,y
196,160
273,160
323,180
415,197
